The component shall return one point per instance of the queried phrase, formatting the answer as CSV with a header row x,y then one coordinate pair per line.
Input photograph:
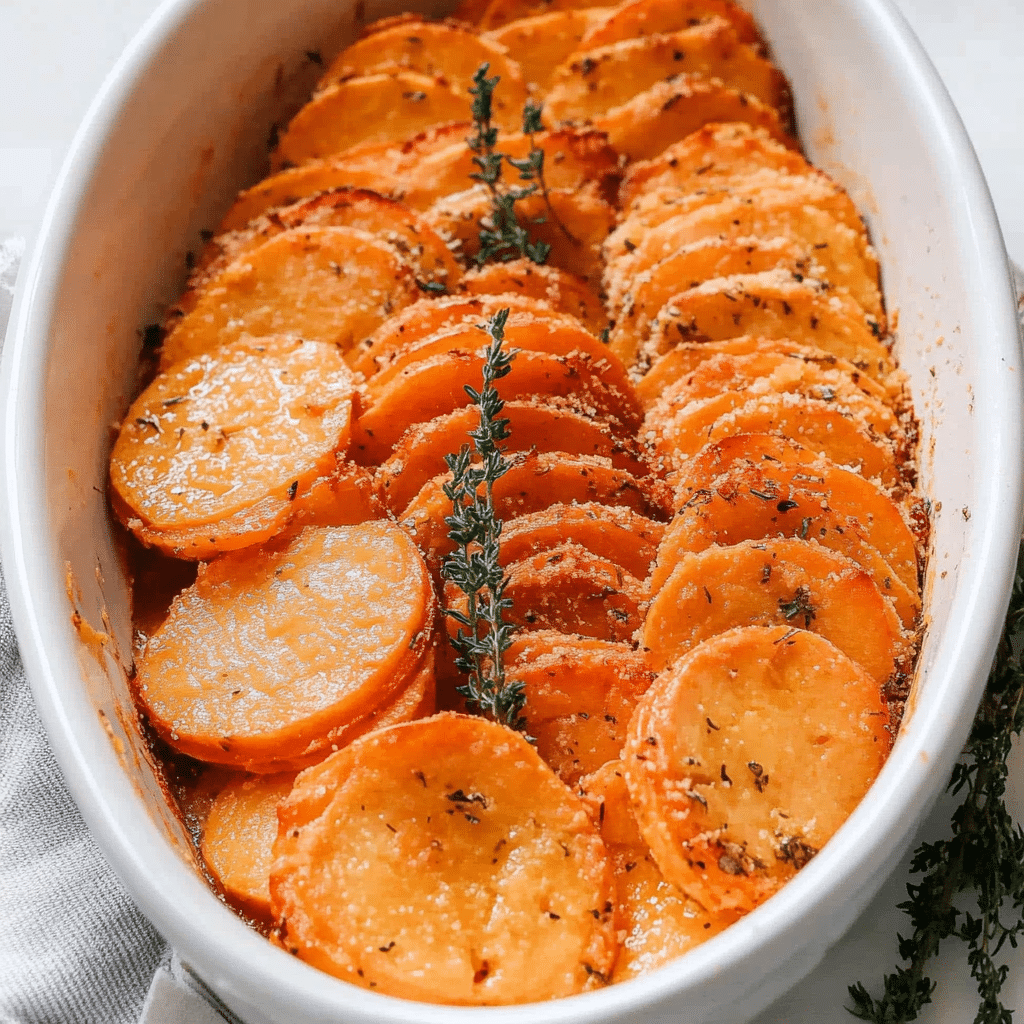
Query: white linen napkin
x,y
74,949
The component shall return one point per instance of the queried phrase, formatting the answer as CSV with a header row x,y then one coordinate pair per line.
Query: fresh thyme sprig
x,y
506,239
483,636
984,856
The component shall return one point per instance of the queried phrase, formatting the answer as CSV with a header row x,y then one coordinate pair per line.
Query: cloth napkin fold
x,y
73,946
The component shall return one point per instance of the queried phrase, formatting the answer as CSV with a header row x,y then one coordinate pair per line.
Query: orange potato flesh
x,y
746,756
540,43
345,498
535,426
273,652
212,455
500,12
785,581
381,108
444,861
615,533
669,111
646,17
565,292
534,482
325,284
580,696
596,78
435,386
659,922
784,464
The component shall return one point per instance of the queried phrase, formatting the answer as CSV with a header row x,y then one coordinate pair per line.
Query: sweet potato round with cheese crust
x,y
444,861
646,17
746,756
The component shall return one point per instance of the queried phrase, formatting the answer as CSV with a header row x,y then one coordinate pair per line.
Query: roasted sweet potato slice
x,y
574,222
651,121
344,498
324,284
444,861
501,12
535,425
660,922
542,42
595,79
745,757
214,453
273,653
534,482
646,17
618,534
709,158
580,696
568,293
573,157
789,582
445,50
436,385
368,109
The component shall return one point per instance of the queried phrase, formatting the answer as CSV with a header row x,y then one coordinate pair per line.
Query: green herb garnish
x,y
506,239
483,636
983,857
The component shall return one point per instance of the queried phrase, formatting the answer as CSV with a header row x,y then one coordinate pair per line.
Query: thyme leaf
x,y
983,856
483,635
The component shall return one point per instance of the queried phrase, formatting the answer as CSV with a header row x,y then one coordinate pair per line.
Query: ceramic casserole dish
x,y
179,126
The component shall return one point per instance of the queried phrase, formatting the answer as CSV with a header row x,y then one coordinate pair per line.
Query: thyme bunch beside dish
x,y
483,635
983,856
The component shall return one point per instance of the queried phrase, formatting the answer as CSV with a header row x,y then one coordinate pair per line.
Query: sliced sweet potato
x,y
368,109
618,534
573,157
273,653
534,482
444,861
324,284
536,425
596,78
543,41
708,158
646,17
651,121
447,50
213,454
344,498
746,756
568,293
436,385
580,696
659,921
501,12
787,581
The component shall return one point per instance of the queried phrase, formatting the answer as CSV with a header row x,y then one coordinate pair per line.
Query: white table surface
x,y
53,57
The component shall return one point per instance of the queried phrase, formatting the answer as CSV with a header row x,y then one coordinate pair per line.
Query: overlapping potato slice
x,y
580,696
785,581
565,292
573,158
535,481
447,50
500,12
646,17
595,79
574,222
215,452
541,42
274,652
381,108
616,533
651,121
326,284
444,861
346,497
710,158
747,755
434,386
536,425
660,922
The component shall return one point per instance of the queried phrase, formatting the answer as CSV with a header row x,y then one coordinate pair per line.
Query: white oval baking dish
x,y
179,125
